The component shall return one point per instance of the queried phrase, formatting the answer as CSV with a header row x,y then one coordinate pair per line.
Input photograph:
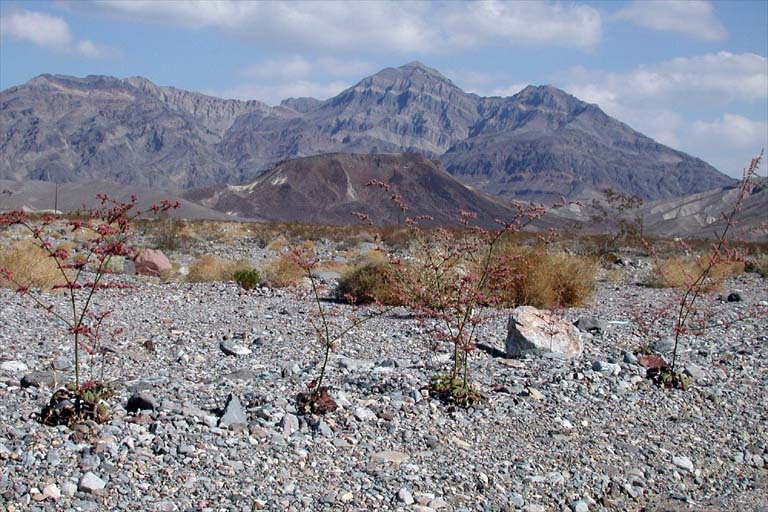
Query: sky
x,y
692,74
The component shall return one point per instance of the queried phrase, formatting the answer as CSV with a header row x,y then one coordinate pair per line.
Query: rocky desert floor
x,y
589,434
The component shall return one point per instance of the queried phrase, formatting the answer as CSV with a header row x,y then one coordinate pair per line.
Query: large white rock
x,y
536,331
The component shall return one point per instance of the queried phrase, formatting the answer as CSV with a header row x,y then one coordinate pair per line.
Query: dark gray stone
x,y
234,414
41,379
142,401
591,325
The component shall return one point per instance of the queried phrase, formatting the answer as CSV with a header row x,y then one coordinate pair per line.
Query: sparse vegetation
x,y
282,272
209,268
372,281
680,271
30,265
247,278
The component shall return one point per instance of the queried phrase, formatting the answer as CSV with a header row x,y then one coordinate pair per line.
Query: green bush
x,y
247,278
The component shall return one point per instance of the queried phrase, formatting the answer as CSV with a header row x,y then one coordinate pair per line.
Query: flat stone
x,y
683,463
606,368
41,379
390,456
232,349
664,345
695,372
13,366
591,324
90,482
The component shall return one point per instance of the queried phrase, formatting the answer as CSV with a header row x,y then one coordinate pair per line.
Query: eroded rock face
x,y
152,262
536,331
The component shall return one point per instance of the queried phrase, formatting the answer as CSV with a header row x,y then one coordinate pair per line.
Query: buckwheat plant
x,y
98,235
330,328
454,279
686,315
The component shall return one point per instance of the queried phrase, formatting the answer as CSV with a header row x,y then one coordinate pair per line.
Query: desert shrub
x,y
679,271
247,278
282,272
546,279
758,265
209,268
169,234
373,281
278,243
31,266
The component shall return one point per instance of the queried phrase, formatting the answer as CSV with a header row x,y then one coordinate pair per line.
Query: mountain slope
x,y
328,188
536,145
543,143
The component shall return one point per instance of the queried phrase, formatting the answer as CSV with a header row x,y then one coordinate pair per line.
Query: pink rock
x,y
152,262
537,331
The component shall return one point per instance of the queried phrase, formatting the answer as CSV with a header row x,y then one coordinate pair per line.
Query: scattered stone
x,y
390,456
733,297
580,506
664,345
535,331
649,361
61,363
52,491
606,368
232,349
695,372
628,357
90,483
289,424
233,414
142,401
404,495
152,262
68,489
535,394
683,463
592,325
41,379
13,366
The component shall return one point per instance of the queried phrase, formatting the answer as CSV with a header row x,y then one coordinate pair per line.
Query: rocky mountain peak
x,y
549,97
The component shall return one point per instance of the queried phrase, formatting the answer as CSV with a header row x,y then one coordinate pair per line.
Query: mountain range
x,y
536,145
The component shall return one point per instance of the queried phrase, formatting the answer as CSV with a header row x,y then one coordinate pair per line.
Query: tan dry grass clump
x,y
209,268
31,266
544,279
681,271
282,272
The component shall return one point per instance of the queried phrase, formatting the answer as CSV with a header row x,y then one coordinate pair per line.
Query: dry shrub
x,y
372,281
758,265
681,271
282,272
278,244
212,268
31,266
544,279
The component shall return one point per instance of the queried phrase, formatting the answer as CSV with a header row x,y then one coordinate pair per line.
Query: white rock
x,y
683,463
91,482
52,491
13,366
535,331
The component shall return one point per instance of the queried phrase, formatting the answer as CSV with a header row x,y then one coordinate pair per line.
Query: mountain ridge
x,y
536,145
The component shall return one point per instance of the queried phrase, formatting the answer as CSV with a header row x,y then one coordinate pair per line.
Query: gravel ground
x,y
551,434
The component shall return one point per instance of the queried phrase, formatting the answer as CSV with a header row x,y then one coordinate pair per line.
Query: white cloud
x,y
44,30
735,130
472,24
694,18
384,26
272,94
715,78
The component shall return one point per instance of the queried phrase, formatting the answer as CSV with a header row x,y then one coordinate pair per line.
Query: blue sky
x,y
691,74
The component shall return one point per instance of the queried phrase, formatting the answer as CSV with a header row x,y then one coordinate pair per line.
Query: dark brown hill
x,y
326,189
